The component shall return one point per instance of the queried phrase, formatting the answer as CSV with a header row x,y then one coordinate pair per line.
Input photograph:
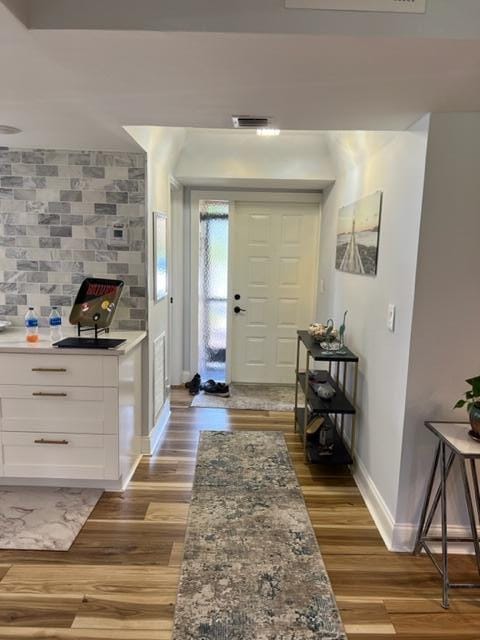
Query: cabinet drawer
x,y
65,370
60,455
58,409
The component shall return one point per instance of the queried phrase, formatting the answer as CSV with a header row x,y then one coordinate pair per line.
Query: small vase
x,y
475,418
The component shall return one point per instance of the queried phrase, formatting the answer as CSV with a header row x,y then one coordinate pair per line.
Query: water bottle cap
x,y
54,307
30,308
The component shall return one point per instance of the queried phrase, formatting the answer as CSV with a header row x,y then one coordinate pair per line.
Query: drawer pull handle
x,y
43,441
44,394
47,370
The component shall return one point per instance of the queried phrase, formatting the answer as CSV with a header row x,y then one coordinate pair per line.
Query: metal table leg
x,y
297,368
443,487
473,468
471,515
305,415
436,499
428,494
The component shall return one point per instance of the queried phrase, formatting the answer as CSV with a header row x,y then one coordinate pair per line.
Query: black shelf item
x,y
336,410
88,343
338,404
319,354
340,455
82,328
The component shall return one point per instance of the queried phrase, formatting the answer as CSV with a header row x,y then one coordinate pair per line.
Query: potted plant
x,y
472,401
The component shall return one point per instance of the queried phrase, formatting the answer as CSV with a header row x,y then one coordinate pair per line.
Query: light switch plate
x,y
391,317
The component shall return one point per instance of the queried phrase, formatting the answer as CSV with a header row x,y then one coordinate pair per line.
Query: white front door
x,y
274,264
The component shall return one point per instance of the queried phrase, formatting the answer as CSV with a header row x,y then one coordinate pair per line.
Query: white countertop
x,y
12,340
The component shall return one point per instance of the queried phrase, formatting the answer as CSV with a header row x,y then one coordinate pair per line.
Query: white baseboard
x,y
375,503
404,538
150,443
106,485
186,376
400,537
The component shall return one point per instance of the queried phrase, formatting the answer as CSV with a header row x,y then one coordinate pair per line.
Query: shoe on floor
x,y
194,385
314,425
216,389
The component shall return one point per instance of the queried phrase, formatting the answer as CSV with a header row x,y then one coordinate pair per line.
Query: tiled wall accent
x,y
55,210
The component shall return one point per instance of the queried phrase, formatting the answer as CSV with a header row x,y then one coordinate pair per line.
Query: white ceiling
x,y
79,88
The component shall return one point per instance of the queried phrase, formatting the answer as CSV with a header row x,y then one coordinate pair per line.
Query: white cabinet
x,y
70,419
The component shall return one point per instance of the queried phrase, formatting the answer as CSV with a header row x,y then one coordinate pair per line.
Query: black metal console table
x,y
333,410
452,436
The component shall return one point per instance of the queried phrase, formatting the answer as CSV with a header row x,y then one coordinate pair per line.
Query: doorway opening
x,y
213,288
254,265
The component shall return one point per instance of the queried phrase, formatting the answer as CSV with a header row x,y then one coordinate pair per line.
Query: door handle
x,y
238,309
44,441
43,394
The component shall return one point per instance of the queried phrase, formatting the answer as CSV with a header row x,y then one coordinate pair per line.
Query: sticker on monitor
x,y
96,302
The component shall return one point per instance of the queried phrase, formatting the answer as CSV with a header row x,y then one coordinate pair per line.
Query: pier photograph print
x,y
358,234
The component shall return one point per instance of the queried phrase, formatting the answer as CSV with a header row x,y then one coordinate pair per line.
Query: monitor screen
x,y
96,302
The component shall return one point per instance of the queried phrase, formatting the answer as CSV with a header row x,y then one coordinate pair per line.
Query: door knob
x,y
238,309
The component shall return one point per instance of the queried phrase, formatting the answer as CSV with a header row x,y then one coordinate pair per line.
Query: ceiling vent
x,y
251,122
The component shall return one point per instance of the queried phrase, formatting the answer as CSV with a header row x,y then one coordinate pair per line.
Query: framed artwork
x,y
160,255
358,234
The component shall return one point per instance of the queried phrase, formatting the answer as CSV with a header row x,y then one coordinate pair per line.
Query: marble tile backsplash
x,y
56,208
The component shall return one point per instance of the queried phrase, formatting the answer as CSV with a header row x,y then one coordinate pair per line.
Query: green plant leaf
x,y
475,384
460,404
469,395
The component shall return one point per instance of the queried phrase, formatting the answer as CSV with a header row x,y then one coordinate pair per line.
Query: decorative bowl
x,y
4,324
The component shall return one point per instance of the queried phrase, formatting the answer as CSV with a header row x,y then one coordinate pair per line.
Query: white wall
x,y
216,157
445,344
397,169
163,146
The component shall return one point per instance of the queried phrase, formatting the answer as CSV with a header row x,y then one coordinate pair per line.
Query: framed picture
x,y
358,234
160,255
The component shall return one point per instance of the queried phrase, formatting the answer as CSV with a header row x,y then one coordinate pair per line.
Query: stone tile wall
x,y
55,210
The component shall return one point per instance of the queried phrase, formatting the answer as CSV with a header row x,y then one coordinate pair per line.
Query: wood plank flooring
x,y
119,579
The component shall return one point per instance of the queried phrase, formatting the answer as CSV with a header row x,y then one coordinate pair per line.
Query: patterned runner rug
x,y
256,397
252,568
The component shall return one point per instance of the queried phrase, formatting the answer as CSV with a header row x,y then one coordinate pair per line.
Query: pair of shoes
x,y
216,388
194,385
314,425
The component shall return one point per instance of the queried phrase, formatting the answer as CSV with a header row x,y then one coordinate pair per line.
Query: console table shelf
x,y
334,410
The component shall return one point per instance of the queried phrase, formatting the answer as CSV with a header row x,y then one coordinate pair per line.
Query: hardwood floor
x,y
119,579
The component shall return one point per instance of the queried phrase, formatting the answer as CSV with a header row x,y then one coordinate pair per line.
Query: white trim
x,y
175,287
400,537
404,538
230,292
375,503
195,198
150,443
131,472
106,485
250,195
234,196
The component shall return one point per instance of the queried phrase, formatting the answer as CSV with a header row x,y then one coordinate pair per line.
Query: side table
x,y
453,442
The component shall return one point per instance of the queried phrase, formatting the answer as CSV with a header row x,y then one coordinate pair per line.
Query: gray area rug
x,y
252,568
258,397
43,518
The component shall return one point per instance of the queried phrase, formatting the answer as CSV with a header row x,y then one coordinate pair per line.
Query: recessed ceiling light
x,y
267,132
6,130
